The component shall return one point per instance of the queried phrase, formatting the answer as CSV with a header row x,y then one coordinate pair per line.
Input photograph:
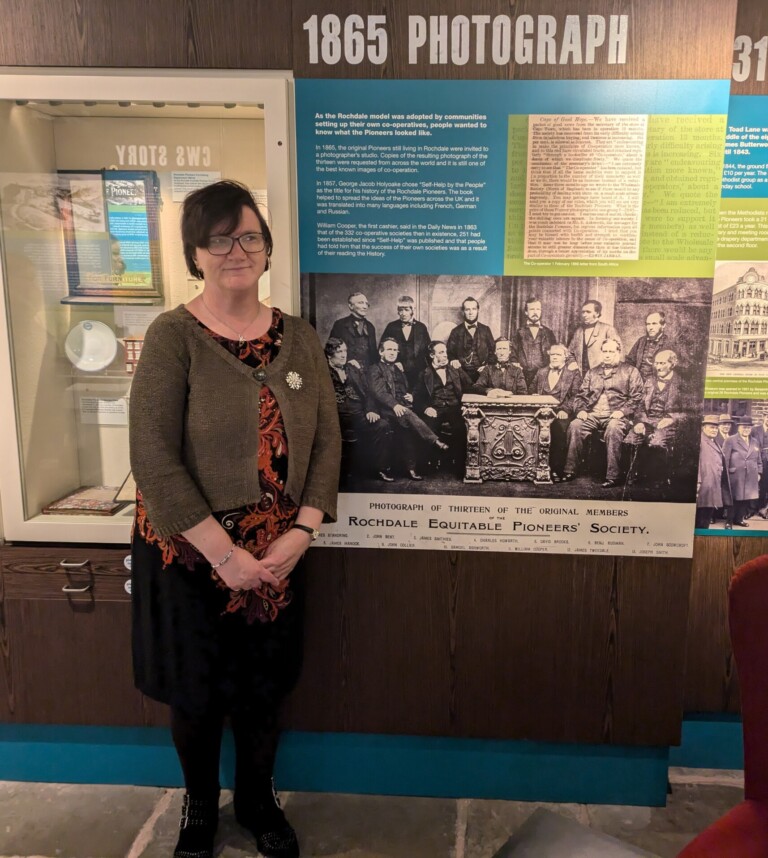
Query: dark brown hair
x,y
216,207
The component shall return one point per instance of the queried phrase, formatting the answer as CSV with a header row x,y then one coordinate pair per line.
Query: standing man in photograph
x,y
412,337
357,332
500,377
643,352
531,343
470,344
437,399
760,434
586,344
744,465
724,426
709,486
609,398
563,383
394,401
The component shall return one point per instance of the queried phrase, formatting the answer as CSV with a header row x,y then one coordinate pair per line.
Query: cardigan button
x,y
259,375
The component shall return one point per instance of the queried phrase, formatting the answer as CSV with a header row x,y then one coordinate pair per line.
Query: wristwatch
x,y
310,530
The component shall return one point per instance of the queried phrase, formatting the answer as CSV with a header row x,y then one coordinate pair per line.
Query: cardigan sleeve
x,y
321,485
158,402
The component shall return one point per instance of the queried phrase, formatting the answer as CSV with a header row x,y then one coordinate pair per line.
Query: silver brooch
x,y
294,380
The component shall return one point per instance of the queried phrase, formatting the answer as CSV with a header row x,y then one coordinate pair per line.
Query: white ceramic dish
x,y
91,346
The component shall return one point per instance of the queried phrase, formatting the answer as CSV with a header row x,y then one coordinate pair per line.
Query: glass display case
x,y
93,172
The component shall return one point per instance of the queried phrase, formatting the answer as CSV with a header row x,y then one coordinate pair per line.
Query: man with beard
x,y
412,338
437,397
709,485
586,344
609,398
470,344
643,352
364,435
357,332
531,343
393,400
663,408
563,383
502,377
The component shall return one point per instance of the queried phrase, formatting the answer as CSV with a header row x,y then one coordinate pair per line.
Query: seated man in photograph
x,y
563,383
393,400
501,377
662,410
365,436
608,401
437,398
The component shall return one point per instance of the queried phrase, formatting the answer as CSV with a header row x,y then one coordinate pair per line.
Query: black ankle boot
x,y
262,815
199,821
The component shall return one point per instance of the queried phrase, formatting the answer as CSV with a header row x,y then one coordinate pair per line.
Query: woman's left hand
x,y
285,552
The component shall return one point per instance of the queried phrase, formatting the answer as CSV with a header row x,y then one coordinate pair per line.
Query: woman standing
x,y
235,449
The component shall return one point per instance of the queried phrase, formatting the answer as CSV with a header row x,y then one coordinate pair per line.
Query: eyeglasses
x,y
221,245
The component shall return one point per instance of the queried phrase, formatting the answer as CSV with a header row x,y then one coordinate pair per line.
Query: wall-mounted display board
x,y
513,277
733,470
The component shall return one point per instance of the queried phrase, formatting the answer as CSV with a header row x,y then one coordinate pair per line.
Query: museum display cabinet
x,y
92,175
93,171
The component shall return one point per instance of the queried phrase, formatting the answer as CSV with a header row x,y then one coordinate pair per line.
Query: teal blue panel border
x,y
710,742
353,763
735,533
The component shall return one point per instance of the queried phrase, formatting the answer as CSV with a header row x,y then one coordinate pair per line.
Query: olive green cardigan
x,y
194,422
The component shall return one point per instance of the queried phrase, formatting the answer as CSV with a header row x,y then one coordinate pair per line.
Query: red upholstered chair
x,y
743,832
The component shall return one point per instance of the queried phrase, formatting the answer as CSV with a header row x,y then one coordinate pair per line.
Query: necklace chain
x,y
239,334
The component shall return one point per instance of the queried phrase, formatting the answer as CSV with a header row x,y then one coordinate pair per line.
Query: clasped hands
x,y
244,572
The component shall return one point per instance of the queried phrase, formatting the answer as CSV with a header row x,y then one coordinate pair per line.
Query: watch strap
x,y
310,530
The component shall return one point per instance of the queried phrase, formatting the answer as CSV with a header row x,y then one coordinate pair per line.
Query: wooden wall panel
x,y
245,34
667,40
494,645
711,683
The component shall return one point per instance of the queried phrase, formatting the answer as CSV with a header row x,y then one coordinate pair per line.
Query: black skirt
x,y
189,652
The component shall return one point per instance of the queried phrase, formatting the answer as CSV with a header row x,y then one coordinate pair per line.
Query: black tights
x,y
198,744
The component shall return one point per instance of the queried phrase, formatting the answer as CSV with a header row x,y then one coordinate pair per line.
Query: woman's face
x,y
237,271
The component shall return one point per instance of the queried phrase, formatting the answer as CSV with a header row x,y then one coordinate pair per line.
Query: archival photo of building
x,y
738,330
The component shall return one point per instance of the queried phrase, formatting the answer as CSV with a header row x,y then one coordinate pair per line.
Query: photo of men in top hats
x,y
732,484
517,386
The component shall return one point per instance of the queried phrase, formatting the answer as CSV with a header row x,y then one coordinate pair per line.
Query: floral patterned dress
x,y
196,642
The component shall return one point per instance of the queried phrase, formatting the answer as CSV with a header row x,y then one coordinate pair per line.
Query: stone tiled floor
x,y
70,821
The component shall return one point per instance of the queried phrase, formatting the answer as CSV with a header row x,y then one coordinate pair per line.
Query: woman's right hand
x,y
244,572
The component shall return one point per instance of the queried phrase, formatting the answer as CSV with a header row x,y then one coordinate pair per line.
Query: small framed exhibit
x,y
111,227
93,174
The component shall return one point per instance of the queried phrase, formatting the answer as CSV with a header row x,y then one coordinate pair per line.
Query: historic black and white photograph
x,y
583,388
738,328
732,485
